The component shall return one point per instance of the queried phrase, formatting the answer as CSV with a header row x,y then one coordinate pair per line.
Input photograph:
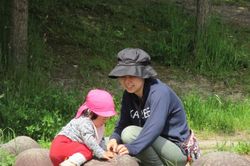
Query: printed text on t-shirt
x,y
145,113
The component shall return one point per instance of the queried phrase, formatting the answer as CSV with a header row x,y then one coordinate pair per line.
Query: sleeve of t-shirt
x,y
159,107
88,135
123,122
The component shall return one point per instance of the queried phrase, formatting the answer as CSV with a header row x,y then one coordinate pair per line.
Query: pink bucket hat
x,y
98,101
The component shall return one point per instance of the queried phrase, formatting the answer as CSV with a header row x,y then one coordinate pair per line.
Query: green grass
x,y
218,115
239,147
6,159
101,29
6,134
216,51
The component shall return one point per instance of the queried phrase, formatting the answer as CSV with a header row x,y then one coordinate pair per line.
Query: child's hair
x,y
90,114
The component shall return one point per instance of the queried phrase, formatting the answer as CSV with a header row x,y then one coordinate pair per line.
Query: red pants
x,y
62,147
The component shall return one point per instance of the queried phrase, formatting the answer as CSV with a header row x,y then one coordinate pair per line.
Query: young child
x,y
81,138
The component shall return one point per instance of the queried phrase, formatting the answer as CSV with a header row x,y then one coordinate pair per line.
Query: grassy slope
x,y
85,38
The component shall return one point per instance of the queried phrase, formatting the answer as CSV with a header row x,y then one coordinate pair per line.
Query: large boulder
x,y
124,160
19,144
40,157
33,157
221,159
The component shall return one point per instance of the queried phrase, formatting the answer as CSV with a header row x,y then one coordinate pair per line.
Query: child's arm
x,y
88,135
108,155
103,144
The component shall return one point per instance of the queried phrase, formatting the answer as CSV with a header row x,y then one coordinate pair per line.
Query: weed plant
x,y
242,148
6,134
239,147
216,51
6,159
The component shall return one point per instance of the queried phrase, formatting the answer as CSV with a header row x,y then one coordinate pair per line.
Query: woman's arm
x,y
123,121
159,101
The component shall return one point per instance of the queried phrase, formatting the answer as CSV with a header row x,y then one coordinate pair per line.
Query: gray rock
x,y
221,159
19,144
124,160
33,157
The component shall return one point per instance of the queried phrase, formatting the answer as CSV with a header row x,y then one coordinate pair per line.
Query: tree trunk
x,y
202,17
19,35
202,14
4,36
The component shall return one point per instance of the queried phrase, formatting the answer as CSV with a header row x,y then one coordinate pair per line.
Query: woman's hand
x,y
122,149
108,155
112,145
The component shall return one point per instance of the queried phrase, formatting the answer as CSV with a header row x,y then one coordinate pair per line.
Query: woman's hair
x,y
90,114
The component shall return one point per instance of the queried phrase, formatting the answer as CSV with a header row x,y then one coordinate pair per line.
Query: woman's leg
x,y
169,152
162,151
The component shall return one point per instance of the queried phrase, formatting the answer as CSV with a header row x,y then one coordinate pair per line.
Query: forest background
x,y
71,46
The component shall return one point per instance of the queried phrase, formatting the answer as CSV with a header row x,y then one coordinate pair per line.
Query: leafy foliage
x,y
38,113
6,159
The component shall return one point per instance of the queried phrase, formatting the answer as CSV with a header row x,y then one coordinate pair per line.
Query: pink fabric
x,y
98,101
100,133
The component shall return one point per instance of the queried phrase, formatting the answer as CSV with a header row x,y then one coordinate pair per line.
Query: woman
x,y
152,124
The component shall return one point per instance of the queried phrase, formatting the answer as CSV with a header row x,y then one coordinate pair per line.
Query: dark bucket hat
x,y
133,62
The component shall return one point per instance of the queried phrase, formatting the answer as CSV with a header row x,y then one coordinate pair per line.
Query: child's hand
x,y
108,155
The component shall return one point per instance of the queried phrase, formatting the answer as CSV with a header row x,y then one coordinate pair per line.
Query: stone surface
x,y
221,159
33,157
124,160
40,157
19,144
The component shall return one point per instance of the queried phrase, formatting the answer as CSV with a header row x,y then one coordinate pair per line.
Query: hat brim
x,y
105,113
100,113
132,70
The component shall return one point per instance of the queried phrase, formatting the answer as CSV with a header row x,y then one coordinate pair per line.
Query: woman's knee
x,y
130,133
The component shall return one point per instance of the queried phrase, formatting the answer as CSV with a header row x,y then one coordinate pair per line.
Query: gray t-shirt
x,y
83,130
